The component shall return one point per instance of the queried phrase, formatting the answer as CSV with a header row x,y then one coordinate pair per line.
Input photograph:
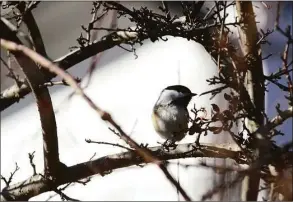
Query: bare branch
x,y
33,28
62,82
108,143
31,158
222,187
221,38
276,121
63,195
37,185
44,104
165,9
8,96
285,63
254,84
7,182
241,173
16,32
11,73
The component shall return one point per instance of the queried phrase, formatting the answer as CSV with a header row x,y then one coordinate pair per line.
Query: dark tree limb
x,y
13,94
33,28
34,79
254,86
36,185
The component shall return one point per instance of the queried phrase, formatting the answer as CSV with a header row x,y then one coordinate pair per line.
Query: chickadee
x,y
170,115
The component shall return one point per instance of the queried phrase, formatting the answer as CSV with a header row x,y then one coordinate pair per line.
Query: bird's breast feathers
x,y
170,120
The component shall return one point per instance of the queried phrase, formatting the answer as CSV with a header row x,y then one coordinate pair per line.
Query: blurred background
x,y
127,87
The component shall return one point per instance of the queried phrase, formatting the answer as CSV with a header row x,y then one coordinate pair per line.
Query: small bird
x,y
170,115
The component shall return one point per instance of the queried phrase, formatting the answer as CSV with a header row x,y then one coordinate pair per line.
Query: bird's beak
x,y
193,94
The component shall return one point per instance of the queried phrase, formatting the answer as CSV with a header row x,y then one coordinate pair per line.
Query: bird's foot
x,y
169,145
144,145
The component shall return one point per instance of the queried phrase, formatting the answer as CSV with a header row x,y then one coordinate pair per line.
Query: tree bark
x,y
254,86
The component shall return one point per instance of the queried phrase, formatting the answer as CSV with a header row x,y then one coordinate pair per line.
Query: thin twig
x,y
166,9
108,143
222,20
7,182
285,63
31,158
11,73
222,187
64,196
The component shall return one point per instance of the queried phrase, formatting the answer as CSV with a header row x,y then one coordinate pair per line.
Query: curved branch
x,y
13,94
36,185
34,79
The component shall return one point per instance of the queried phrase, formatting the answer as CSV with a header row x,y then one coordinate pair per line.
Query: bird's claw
x,y
144,145
197,145
169,145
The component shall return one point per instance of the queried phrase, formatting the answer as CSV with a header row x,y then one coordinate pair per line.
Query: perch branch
x,y
36,184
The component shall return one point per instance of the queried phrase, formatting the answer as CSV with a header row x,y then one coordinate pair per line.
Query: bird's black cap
x,y
182,89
